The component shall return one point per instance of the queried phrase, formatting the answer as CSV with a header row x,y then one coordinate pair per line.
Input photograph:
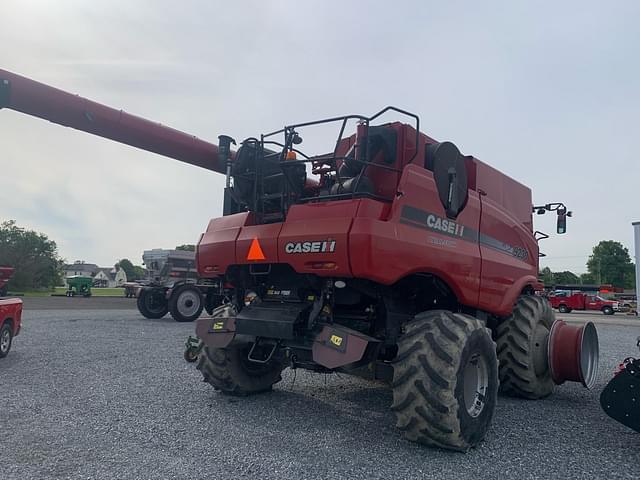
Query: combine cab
x,y
388,255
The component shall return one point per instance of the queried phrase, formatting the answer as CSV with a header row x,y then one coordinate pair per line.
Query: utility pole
x,y
636,236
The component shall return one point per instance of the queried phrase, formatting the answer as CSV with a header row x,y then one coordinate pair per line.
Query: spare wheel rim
x,y
476,383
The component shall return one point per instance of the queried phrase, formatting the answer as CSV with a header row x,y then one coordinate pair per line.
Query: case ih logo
x,y
327,246
446,226
419,218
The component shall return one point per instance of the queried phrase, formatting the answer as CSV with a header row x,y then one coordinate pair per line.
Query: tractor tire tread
x,y
516,365
425,373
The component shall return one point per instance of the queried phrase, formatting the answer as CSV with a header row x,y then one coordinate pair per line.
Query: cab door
x,y
592,303
508,255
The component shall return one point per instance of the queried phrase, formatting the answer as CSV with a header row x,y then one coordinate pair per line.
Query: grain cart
x,y
172,286
390,256
5,275
79,285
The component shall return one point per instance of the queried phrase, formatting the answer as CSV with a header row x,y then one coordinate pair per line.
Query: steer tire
x,y
228,370
6,338
186,303
433,403
152,304
563,309
522,349
608,310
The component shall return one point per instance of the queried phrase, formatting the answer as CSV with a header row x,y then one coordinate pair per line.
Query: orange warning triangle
x,y
255,251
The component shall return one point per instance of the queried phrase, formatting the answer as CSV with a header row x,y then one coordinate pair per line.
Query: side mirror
x,y
562,222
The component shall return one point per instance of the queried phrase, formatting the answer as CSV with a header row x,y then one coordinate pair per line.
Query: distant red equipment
x,y
10,323
5,275
581,301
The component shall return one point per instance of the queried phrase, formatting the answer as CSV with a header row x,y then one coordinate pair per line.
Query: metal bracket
x,y
5,92
251,358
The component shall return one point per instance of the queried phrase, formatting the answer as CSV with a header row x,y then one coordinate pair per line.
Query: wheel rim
x,y
154,303
188,303
540,348
476,383
5,340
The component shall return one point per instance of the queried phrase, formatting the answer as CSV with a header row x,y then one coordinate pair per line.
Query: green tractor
x,y
79,285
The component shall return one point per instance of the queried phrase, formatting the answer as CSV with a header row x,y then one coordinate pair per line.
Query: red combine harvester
x,y
392,257
5,275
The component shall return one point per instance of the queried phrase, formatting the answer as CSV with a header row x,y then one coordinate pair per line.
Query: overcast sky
x,y
548,92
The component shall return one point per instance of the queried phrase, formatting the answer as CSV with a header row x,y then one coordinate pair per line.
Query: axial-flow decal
x,y
418,218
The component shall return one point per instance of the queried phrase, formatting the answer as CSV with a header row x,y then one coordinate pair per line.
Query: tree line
x,y
38,265
608,264
37,262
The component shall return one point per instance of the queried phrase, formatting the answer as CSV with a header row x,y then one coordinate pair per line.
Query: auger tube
x,y
39,100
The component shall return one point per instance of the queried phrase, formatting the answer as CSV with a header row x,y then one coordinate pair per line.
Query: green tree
x,y
587,279
630,277
546,275
134,272
32,254
128,268
565,278
610,263
186,247
140,272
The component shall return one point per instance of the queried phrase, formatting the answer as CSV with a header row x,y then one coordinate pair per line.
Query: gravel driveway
x,y
106,394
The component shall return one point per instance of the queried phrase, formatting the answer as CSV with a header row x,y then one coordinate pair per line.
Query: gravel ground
x,y
105,394
79,303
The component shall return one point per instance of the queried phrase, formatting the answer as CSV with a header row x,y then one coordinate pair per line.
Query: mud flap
x,y
217,332
336,346
620,399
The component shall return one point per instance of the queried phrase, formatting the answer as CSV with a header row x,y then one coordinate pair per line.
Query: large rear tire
x,y
445,380
522,349
229,370
152,304
186,303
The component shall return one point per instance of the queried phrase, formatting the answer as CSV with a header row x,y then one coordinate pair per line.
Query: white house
x,y
109,277
102,276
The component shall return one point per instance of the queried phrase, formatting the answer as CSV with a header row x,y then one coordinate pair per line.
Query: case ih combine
x,y
391,256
